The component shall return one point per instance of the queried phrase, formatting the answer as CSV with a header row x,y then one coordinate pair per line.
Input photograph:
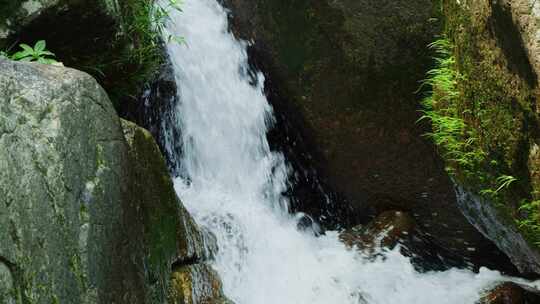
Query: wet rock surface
x,y
155,110
397,228
387,230
488,220
197,284
511,293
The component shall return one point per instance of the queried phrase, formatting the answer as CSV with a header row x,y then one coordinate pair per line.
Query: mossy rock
x,y
496,98
197,284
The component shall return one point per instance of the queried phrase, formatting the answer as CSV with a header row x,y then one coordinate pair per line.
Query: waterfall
x,y
232,183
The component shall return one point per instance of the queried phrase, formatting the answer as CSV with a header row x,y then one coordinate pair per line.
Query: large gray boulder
x,y
88,212
60,164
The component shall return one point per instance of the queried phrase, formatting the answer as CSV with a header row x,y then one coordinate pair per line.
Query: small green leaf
x,y
20,55
27,48
40,46
46,53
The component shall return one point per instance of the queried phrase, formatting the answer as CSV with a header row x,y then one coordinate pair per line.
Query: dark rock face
x,y
89,213
69,27
155,110
108,39
344,73
511,293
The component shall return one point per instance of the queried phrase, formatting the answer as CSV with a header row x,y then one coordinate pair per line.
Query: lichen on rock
x,y
89,212
197,284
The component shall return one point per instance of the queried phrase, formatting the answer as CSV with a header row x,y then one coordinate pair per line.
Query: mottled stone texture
x,y
526,17
61,164
88,211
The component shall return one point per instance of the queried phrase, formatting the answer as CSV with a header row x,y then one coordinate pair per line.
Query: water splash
x,y
232,184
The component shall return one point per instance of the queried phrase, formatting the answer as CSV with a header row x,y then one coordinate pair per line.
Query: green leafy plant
x,y
441,107
161,15
502,182
530,223
143,26
38,53
456,121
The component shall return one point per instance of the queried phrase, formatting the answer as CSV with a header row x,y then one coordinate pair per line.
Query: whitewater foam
x,y
233,183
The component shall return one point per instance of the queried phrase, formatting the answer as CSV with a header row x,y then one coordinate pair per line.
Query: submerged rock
x,y
88,210
397,228
511,293
387,230
156,111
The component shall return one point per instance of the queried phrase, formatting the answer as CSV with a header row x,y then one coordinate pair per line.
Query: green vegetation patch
x,y
142,23
38,53
481,107
119,45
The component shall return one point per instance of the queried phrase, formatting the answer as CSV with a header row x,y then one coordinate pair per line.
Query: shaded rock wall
x,y
345,73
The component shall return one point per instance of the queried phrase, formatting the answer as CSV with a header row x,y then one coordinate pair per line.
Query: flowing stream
x,y
232,184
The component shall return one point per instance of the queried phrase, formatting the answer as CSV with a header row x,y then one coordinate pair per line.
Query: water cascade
x,y
232,184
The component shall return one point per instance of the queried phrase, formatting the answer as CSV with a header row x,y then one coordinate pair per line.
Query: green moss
x,y
160,203
481,109
165,235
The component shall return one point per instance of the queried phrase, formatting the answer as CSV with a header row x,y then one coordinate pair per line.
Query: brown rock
x,y
511,293
385,231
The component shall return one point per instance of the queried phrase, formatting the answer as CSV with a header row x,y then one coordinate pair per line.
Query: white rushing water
x,y
233,185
